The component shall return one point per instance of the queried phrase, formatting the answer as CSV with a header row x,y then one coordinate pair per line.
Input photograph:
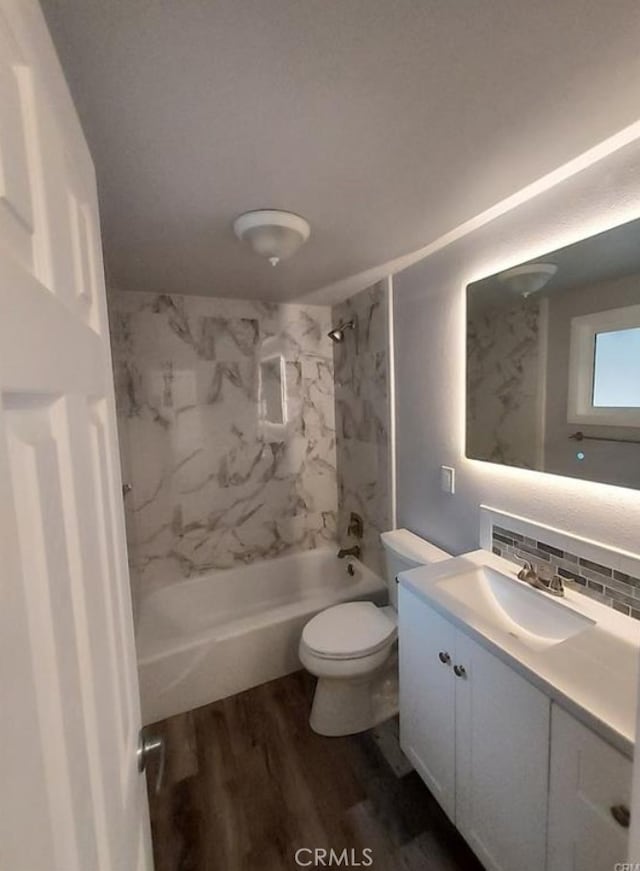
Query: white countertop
x,y
593,675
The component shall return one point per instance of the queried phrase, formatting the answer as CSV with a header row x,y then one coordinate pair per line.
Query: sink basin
x,y
531,616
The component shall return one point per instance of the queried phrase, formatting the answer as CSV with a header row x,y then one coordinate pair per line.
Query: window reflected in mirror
x,y
616,381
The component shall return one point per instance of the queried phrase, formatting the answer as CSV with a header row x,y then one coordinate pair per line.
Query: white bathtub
x,y
217,634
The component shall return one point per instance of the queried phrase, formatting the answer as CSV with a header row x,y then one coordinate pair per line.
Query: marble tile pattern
x,y
603,583
211,486
503,393
362,420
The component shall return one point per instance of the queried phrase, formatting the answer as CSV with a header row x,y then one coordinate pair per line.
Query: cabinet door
x,y
588,779
502,755
427,696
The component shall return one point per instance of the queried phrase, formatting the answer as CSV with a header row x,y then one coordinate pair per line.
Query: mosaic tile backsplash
x,y
607,585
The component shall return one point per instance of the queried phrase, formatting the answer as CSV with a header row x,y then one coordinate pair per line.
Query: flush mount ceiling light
x,y
271,233
529,278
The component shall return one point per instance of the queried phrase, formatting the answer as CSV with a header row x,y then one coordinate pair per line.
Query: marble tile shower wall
x,y
210,487
605,584
362,420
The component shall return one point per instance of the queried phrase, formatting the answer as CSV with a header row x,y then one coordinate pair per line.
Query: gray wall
x,y
430,329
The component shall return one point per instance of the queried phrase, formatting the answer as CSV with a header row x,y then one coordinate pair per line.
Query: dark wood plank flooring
x,y
248,783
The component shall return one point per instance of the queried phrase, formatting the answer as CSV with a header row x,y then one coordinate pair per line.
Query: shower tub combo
x,y
217,634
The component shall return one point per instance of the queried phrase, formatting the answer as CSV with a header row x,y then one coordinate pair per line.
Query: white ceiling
x,y
384,122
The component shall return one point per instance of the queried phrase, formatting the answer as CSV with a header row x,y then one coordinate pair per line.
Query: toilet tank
x,y
404,550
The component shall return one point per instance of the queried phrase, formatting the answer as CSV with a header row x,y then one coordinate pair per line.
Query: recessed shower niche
x,y
272,390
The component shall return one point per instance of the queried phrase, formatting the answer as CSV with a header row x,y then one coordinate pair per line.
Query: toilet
x,y
351,648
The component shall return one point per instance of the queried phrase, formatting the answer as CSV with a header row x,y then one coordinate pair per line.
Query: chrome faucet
x,y
349,551
552,585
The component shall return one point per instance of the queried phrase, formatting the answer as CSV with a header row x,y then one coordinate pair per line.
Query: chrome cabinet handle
x,y
621,814
147,746
444,657
459,671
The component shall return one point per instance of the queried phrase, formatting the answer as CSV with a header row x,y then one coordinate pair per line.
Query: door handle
x,y
444,657
146,746
620,813
460,671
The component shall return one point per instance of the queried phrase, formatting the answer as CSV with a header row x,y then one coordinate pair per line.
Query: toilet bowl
x,y
352,648
348,648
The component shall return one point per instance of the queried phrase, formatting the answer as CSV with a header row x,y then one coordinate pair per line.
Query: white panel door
x,y
71,798
589,799
502,756
427,696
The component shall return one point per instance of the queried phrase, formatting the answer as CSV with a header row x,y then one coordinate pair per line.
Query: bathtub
x,y
214,635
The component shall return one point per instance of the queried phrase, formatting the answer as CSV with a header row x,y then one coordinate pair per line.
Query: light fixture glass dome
x,y
271,233
529,278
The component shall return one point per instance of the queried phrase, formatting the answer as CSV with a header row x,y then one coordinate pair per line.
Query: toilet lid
x,y
347,631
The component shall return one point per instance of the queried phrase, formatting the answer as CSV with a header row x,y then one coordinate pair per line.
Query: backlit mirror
x,y
553,361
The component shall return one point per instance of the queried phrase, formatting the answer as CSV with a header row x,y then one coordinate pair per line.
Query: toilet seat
x,y
349,631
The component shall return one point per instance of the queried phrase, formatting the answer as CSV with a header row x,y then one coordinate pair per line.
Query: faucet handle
x,y
556,585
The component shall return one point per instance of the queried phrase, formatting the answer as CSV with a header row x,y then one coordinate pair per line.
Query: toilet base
x,y
345,706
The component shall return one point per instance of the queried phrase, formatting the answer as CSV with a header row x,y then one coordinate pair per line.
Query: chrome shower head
x,y
337,334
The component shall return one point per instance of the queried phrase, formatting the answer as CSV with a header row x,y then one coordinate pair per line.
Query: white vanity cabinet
x,y
502,754
489,668
589,798
478,734
427,697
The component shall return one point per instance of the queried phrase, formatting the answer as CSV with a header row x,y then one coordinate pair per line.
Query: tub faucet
x,y
356,526
349,551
